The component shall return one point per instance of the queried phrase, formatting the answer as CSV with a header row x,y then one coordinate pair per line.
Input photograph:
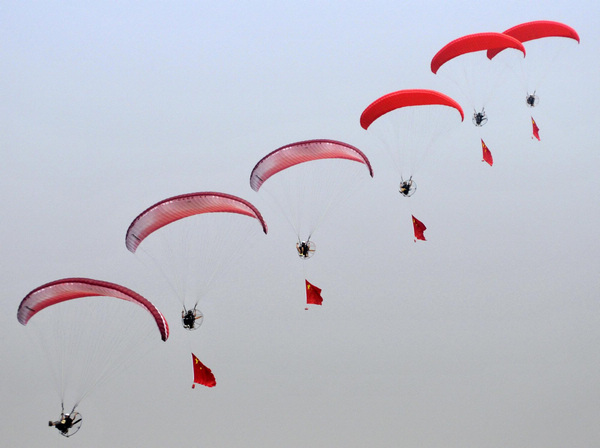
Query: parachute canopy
x,y
304,151
536,30
182,206
472,43
74,288
406,98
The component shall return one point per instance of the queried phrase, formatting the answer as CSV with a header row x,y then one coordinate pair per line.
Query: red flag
x,y
419,228
487,155
536,130
313,294
202,374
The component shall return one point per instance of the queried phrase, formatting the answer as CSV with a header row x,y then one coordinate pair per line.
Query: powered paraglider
x,y
310,180
191,248
409,124
86,341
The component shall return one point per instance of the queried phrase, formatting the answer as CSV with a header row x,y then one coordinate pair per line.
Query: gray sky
x,y
485,335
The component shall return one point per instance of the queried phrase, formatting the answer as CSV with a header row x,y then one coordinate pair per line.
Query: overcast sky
x,y
486,335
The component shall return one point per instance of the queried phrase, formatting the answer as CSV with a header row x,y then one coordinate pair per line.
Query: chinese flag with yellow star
x,y
487,155
313,294
419,229
202,374
536,130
